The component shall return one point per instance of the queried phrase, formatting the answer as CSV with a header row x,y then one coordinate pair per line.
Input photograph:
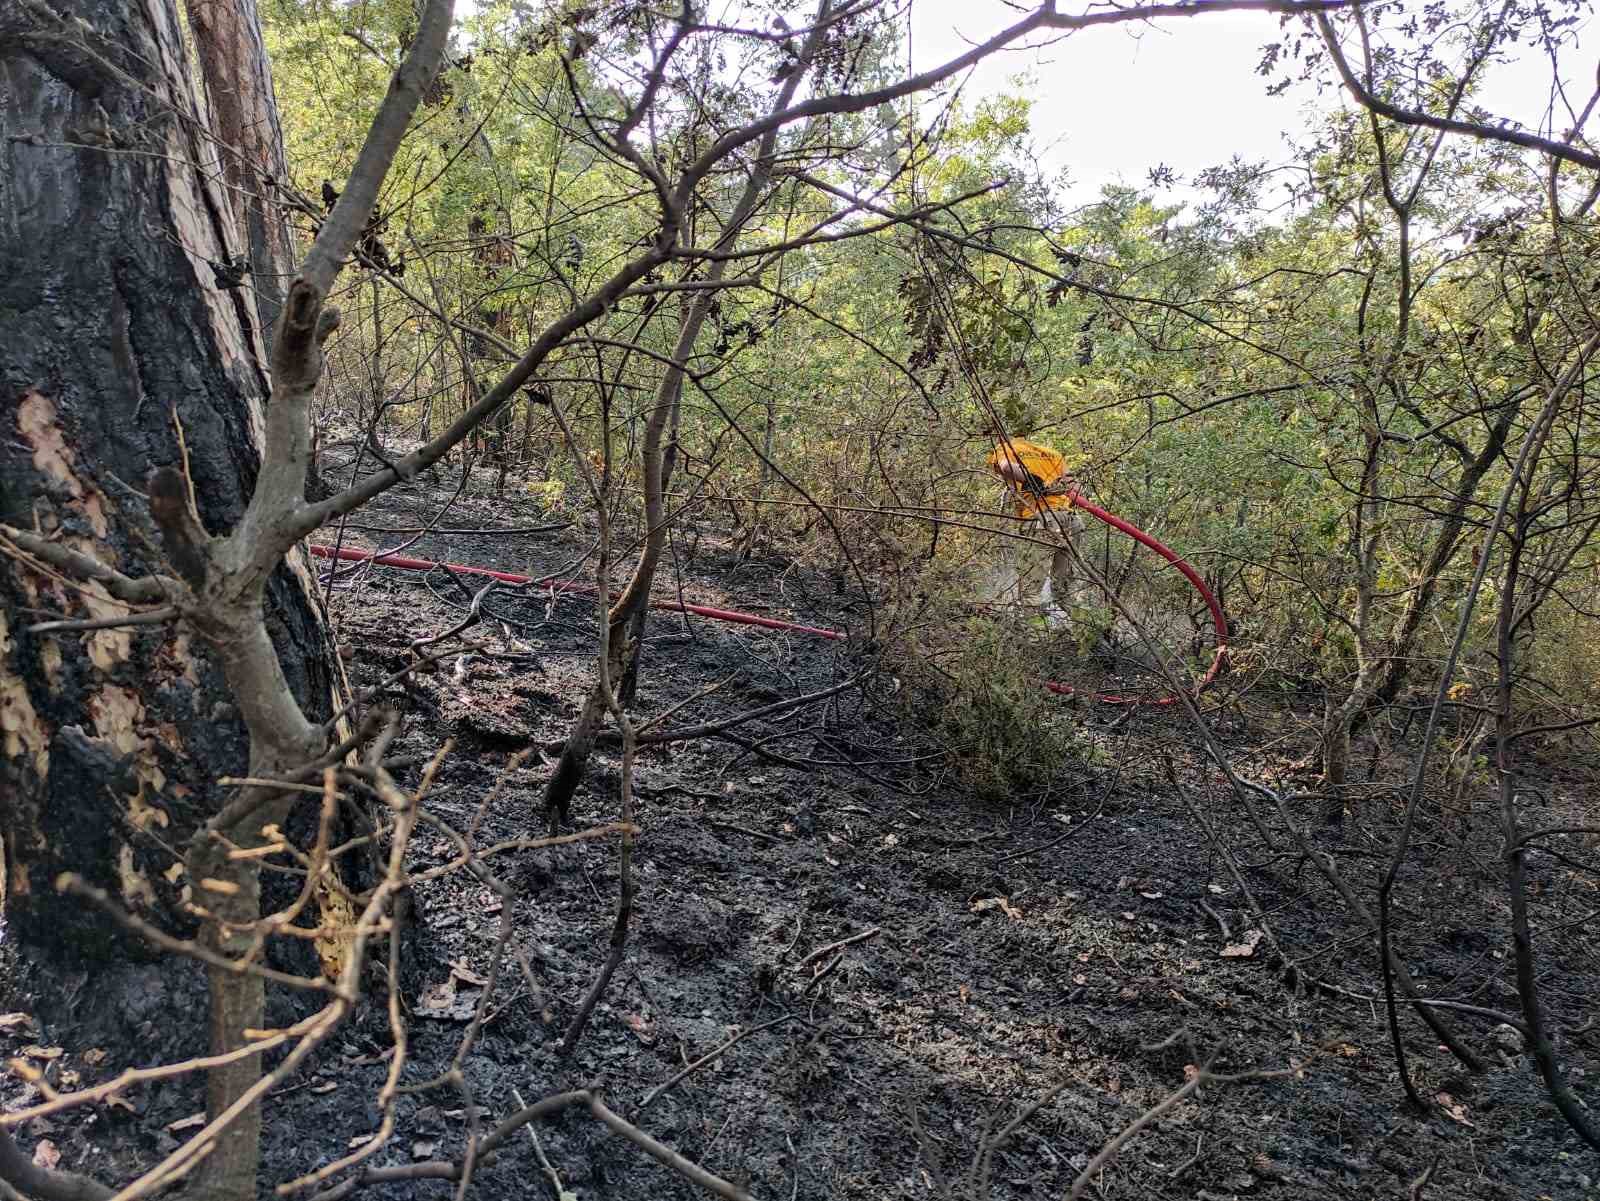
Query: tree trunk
x,y
1446,540
628,689
1339,716
123,350
244,119
1385,662
657,455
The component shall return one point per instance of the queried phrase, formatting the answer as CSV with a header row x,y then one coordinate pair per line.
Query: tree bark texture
x,y
119,352
243,116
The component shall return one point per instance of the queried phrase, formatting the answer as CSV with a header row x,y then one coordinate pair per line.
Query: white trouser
x,y
1027,573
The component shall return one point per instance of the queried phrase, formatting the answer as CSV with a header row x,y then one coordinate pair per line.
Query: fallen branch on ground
x,y
1198,1077
588,1098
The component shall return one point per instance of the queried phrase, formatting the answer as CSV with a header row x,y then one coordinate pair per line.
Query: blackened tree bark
x,y
122,202
121,352
243,117
128,344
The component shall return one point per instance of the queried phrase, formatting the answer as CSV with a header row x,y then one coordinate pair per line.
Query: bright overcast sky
x,y
1112,102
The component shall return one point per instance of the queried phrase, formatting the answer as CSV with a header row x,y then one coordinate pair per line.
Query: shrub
x,y
975,684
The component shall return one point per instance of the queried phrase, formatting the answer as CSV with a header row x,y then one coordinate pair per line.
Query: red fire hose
x,y
511,577
1218,620
773,623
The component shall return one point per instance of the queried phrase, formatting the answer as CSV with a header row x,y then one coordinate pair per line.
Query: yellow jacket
x,y
1046,466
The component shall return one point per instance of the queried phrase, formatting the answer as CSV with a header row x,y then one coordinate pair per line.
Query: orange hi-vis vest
x,y
1046,466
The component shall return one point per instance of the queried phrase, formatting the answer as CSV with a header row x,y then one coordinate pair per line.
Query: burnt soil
x,y
1073,937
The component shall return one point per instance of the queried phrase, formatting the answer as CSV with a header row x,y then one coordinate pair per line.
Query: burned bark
x,y
124,349
243,118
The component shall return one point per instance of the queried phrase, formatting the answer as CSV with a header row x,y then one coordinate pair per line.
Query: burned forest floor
x,y
915,966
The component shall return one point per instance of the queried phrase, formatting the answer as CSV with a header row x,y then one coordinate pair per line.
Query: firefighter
x,y
1040,493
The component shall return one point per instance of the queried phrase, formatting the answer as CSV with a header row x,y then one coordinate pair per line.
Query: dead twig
x,y
666,1086
718,728
665,1154
930,1158
1054,842
77,886
538,1150
977,1183
547,1107
147,617
835,946
1180,1169
1227,935
19,1174
474,614
1198,1077
985,1163
818,977
1229,858
514,844
756,834
1420,1185
56,1102
687,701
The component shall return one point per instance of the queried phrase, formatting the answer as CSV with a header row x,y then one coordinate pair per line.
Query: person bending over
x,y
1040,493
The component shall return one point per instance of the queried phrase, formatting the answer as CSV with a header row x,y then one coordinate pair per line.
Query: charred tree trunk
x,y
1385,660
244,119
1339,715
1446,541
628,689
656,458
1513,614
121,353
129,344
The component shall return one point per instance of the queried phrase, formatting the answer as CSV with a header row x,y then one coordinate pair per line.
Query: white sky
x,y
1111,102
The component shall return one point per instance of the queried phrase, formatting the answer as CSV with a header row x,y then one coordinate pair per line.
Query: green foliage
x,y
976,688
1238,375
